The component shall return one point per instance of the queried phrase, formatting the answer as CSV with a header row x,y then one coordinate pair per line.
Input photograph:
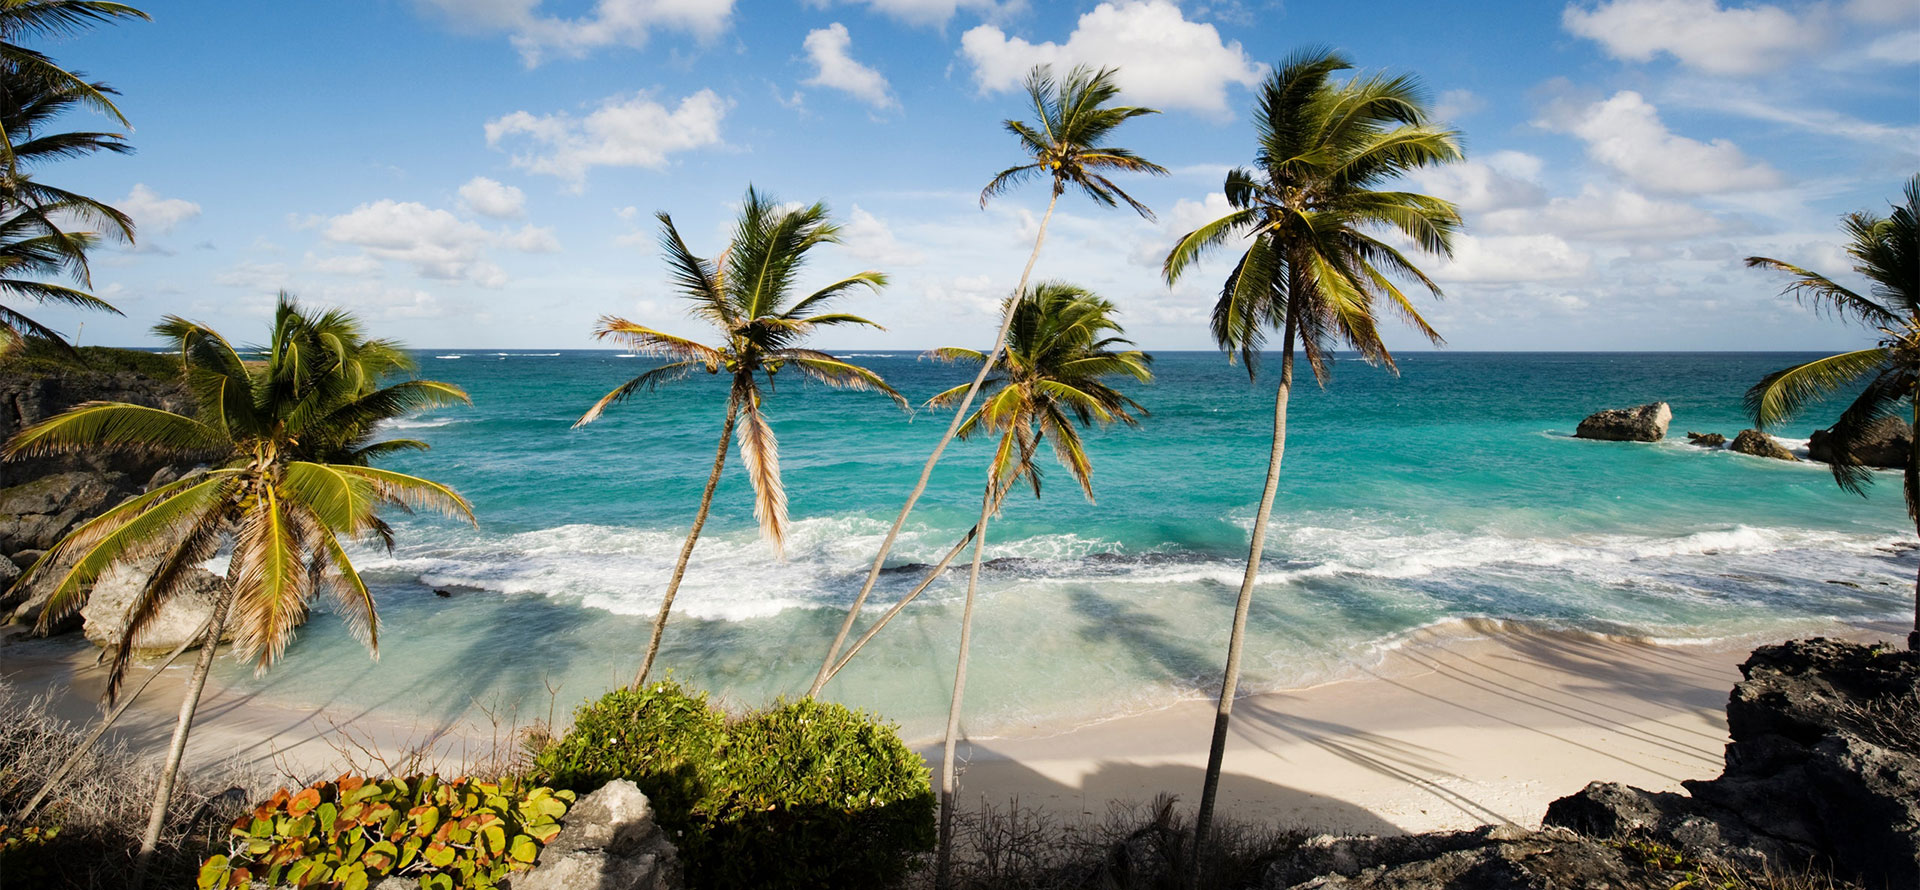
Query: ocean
x,y
1419,504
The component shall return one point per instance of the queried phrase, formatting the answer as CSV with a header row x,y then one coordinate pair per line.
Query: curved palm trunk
x,y
157,817
80,752
943,862
693,535
1203,821
827,668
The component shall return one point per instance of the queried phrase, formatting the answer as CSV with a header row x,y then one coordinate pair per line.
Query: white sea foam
x,y
449,356
415,423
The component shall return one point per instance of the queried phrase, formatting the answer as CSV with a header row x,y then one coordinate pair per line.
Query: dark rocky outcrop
x,y
1706,440
1760,444
1646,423
609,841
1491,858
1885,445
1824,768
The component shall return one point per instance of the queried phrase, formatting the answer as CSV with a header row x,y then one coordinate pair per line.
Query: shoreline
x,y
1441,731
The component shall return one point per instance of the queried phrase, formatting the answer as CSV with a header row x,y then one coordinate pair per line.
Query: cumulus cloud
x,y
1165,60
1625,132
867,237
490,198
436,243
610,23
630,132
1504,258
833,67
1605,215
1505,179
154,215
926,13
1698,33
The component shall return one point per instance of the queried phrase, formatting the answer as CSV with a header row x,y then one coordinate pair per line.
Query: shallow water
x,y
1450,492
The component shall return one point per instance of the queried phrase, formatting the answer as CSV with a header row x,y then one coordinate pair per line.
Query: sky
x,y
485,173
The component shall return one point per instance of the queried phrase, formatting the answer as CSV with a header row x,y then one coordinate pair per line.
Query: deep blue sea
x,y
1450,492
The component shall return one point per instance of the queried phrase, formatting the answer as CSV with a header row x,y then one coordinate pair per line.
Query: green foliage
x,y
351,833
39,357
23,851
803,794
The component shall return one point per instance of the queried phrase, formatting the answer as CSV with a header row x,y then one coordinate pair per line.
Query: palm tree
x,y
1067,143
291,443
1886,252
24,70
746,294
1060,350
1313,266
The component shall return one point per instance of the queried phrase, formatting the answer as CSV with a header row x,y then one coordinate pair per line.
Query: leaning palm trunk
x,y
943,862
828,666
686,550
1203,821
79,753
157,817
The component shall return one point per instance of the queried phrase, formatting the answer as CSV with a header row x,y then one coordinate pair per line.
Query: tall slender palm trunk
x,y
827,668
163,795
943,862
1913,460
1203,821
686,550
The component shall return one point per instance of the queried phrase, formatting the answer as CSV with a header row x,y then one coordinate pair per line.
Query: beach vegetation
x,y
38,240
1886,252
747,294
350,833
801,794
1313,220
289,442
1067,144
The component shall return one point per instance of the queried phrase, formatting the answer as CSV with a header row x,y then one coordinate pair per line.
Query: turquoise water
x,y
1450,492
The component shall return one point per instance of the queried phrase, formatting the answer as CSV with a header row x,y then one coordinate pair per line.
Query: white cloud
x,y
1455,104
436,243
1900,48
1505,179
253,276
1719,96
357,265
490,198
1496,258
1625,132
926,13
632,132
1699,33
154,215
833,67
610,23
1165,61
1604,215
867,237
1881,12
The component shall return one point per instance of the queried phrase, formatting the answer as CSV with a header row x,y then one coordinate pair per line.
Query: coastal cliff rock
x,y
608,842
1706,440
1760,444
181,617
1491,858
1824,767
1646,423
1885,446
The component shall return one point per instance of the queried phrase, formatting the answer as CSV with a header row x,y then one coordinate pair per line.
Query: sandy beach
x,y
1448,730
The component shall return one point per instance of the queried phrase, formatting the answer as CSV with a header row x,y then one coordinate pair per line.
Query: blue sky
x,y
483,173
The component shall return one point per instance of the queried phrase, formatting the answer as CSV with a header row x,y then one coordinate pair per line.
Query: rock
x,y
1646,423
608,841
1706,440
32,600
179,618
35,515
1610,809
1760,444
1545,860
1885,445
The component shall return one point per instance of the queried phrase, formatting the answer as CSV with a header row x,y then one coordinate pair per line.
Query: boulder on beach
x,y
1886,445
608,841
1760,444
1646,423
1706,440
178,619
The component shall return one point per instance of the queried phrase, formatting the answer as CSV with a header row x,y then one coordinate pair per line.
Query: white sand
x,y
1447,732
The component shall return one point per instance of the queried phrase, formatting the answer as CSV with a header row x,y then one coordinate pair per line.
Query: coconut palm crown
x,y
27,70
1067,138
747,295
290,441
1886,252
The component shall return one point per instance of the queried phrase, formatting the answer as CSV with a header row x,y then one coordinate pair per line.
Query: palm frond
x,y
1783,393
760,454
92,425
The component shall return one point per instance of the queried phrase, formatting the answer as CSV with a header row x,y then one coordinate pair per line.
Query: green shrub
x,y
350,833
803,794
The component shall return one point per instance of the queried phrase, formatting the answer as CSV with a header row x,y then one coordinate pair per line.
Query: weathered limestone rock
x,y
181,617
1489,859
1646,423
1706,440
1885,445
608,841
1760,444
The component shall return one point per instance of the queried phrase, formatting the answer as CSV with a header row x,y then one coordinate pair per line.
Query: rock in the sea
x,y
1647,423
1885,445
1706,440
608,841
1760,444
179,618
